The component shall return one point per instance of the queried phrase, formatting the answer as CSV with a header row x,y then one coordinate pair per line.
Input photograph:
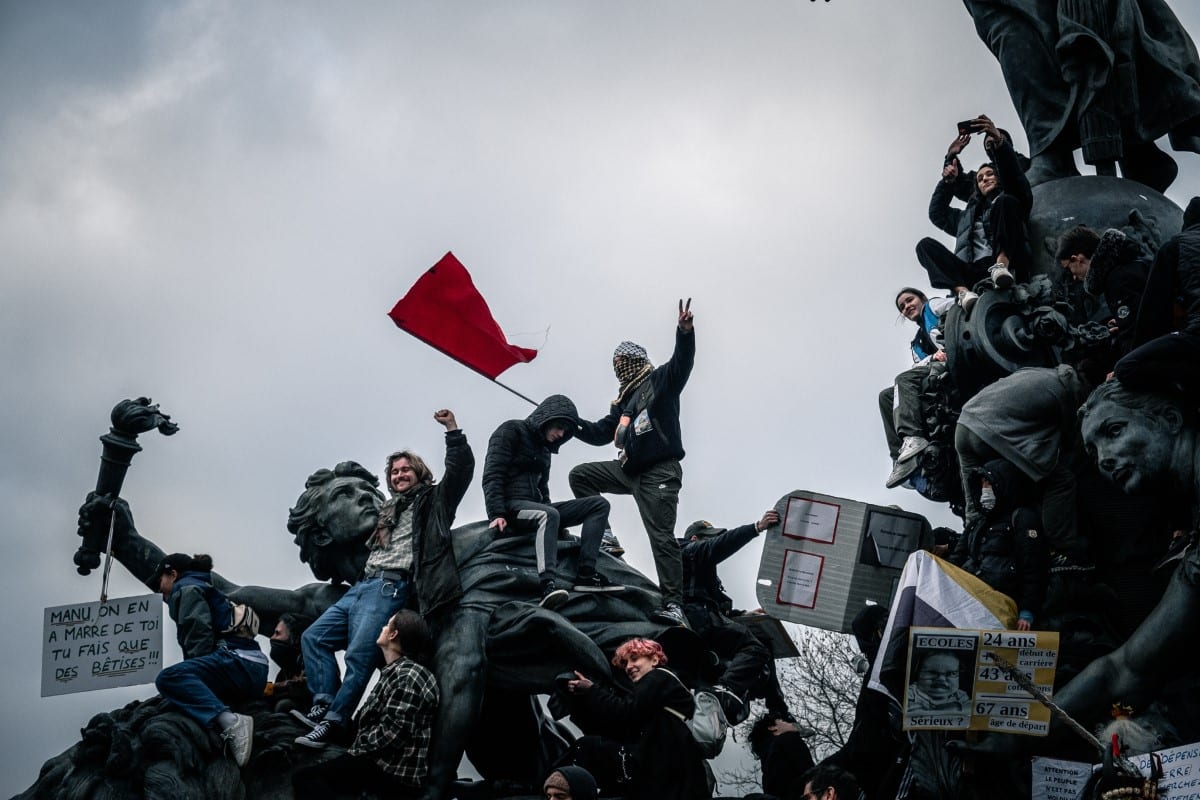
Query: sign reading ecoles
x,y
88,646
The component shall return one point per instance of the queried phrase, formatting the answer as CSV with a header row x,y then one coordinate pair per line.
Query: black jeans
x,y
344,774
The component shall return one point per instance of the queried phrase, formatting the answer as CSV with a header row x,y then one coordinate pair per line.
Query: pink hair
x,y
638,647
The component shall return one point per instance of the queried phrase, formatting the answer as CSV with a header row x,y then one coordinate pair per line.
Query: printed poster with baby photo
x,y
964,680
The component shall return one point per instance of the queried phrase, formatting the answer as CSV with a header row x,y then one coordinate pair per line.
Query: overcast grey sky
x,y
216,203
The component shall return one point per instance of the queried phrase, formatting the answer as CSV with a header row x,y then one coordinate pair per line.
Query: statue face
x,y
349,511
1132,448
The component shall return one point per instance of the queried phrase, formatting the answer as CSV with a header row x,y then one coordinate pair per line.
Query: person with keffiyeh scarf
x,y
643,423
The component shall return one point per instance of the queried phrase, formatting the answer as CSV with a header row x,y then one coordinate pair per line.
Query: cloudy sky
x,y
215,204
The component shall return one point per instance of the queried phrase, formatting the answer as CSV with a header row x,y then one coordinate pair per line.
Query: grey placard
x,y
88,646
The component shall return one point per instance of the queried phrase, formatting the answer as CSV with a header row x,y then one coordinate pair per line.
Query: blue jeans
x,y
351,624
203,686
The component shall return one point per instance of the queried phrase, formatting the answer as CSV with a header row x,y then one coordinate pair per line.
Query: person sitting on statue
x,y
748,662
410,555
222,663
643,422
826,782
1028,419
390,753
637,744
1111,267
991,241
900,404
289,686
516,491
1004,547
1167,337
570,783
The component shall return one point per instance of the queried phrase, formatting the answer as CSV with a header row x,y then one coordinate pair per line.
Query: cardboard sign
x,y
830,556
954,684
89,646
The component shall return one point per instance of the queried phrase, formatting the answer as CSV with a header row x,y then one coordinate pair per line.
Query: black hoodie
x,y
1006,548
517,466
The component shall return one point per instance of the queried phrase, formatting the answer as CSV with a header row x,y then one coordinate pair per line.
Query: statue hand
x,y
96,510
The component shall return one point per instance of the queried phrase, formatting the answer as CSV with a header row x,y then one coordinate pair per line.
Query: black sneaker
x,y
552,596
671,614
325,733
314,715
610,545
595,582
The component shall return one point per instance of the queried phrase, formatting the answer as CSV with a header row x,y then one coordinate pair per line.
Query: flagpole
x,y
514,391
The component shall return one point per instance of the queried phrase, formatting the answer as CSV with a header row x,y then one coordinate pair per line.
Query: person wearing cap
x,y
390,753
410,556
900,403
748,662
516,492
570,783
220,665
643,422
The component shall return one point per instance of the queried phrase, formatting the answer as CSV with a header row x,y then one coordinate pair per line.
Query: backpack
x,y
229,618
708,724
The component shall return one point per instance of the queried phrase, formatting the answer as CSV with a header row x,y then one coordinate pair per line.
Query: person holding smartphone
x,y
991,240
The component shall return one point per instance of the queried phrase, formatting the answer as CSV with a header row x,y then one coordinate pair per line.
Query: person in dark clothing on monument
x,y
222,663
643,422
1167,337
991,241
516,491
1005,547
748,661
1111,267
779,746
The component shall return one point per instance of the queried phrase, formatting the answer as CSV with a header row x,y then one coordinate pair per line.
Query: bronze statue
x,y
1107,76
493,651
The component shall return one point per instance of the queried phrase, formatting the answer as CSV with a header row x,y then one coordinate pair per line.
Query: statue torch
x,y
129,418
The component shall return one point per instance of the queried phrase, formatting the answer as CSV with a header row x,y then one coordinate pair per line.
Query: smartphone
x,y
966,127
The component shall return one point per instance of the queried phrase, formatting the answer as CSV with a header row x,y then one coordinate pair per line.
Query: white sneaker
x,y
911,447
1001,277
966,299
239,738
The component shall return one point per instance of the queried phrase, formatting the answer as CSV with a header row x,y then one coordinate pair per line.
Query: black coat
x,y
658,397
701,584
666,761
435,572
517,466
960,222
1006,548
1172,289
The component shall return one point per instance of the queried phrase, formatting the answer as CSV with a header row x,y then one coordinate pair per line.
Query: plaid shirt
x,y
395,723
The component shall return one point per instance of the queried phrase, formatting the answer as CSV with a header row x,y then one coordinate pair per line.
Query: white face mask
x,y
987,498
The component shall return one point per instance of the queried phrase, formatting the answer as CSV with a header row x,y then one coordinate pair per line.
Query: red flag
x,y
445,310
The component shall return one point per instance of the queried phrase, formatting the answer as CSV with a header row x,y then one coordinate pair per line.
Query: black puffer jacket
x,y
517,466
1005,548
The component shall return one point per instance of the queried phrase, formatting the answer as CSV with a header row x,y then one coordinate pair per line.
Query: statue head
x,y
332,519
1133,436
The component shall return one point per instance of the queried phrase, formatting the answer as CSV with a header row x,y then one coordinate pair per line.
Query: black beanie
x,y
581,784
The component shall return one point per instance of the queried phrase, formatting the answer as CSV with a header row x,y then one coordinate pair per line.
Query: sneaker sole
x,y
1003,282
304,741
600,589
303,718
554,600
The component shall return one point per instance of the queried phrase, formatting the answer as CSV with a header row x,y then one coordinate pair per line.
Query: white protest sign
x,y
1065,780
89,646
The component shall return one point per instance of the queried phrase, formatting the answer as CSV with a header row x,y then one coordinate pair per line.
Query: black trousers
x,y
1007,234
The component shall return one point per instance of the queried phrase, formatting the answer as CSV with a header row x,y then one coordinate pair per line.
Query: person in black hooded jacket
x,y
516,480
643,421
1005,547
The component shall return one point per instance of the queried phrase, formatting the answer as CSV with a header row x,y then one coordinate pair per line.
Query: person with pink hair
x,y
636,741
